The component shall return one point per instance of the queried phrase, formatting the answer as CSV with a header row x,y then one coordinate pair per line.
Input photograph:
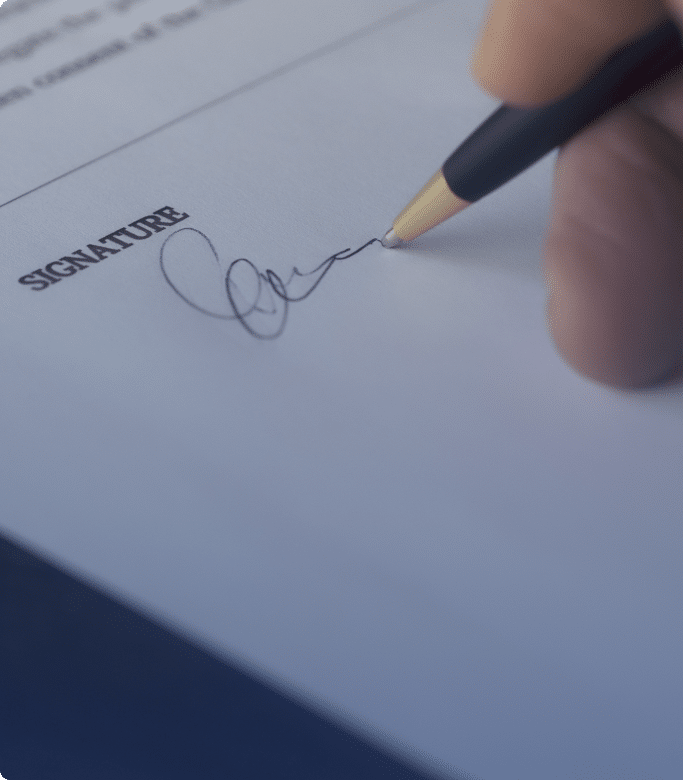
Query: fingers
x,y
614,251
534,51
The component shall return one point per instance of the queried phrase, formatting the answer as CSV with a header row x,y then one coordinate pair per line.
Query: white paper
x,y
406,508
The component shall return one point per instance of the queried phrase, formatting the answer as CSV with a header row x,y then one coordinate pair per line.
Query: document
x,y
363,474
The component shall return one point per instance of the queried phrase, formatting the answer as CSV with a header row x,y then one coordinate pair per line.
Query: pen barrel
x,y
512,139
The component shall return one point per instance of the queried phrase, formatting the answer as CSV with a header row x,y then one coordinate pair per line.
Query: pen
x,y
512,139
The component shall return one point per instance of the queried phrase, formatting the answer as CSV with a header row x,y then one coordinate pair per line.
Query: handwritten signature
x,y
258,300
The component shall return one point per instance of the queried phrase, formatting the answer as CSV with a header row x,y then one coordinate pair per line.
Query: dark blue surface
x,y
91,689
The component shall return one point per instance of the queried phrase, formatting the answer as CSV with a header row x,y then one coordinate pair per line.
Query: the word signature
x,y
258,300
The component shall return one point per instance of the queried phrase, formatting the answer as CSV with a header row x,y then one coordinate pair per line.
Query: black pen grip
x,y
512,139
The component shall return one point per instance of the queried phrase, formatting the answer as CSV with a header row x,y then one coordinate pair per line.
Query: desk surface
x,y
93,689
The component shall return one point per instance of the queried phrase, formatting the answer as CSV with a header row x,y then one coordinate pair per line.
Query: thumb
x,y
535,51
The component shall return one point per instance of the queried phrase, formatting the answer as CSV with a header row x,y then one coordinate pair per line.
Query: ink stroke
x,y
258,300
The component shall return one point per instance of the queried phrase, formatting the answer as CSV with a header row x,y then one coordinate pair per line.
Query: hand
x,y
613,254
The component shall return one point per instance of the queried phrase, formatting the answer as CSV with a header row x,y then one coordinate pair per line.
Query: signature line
x,y
263,314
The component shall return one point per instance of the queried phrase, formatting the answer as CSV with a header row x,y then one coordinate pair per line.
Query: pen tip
x,y
391,240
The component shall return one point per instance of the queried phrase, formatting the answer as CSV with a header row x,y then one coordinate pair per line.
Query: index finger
x,y
534,51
